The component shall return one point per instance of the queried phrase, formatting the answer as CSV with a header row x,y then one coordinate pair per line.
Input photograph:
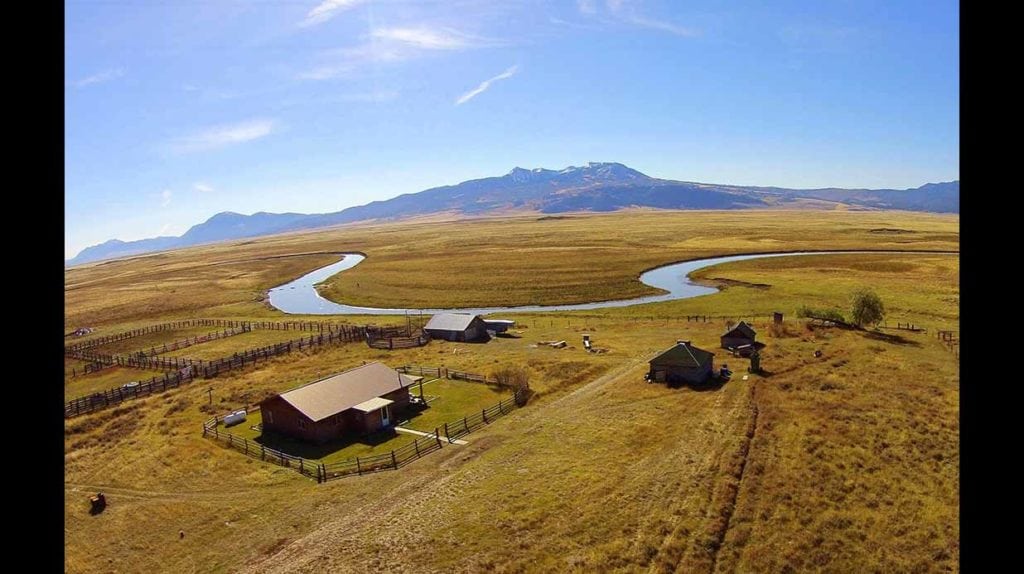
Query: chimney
x,y
682,342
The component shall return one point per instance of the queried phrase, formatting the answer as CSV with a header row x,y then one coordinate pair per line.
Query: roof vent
x,y
682,342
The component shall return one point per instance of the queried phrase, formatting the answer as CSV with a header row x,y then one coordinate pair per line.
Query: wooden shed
x,y
738,335
683,363
352,403
457,327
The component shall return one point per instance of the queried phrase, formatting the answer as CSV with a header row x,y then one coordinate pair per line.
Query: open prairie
x,y
844,461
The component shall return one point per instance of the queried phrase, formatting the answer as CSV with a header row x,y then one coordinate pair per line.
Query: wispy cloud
x,y
98,78
224,135
625,11
328,9
663,26
165,197
424,38
370,97
392,44
483,87
202,187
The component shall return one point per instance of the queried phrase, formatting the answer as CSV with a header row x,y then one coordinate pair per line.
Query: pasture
x,y
847,461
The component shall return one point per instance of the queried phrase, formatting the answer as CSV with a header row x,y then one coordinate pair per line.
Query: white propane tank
x,y
234,418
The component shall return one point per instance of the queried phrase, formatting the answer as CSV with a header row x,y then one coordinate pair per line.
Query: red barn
x,y
352,403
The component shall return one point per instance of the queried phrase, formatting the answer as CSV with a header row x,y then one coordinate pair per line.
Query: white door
x,y
385,417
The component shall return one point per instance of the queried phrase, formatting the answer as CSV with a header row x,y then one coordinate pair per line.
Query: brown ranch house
x,y
739,335
349,404
683,363
460,327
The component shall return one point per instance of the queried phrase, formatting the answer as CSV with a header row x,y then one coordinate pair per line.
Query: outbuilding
x,y
683,363
461,327
738,335
349,404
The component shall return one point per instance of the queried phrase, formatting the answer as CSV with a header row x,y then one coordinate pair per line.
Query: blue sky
x,y
178,109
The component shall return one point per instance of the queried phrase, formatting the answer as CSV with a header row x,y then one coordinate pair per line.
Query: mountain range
x,y
593,187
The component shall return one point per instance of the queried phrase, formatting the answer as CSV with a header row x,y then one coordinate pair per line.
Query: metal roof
x,y
743,329
450,321
374,404
683,355
345,390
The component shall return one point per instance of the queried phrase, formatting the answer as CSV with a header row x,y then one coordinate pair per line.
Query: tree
x,y
867,307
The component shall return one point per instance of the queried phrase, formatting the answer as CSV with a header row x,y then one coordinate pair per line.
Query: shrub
x,y
518,379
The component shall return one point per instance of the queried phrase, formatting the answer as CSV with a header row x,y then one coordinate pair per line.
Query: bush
x,y
517,378
805,312
867,307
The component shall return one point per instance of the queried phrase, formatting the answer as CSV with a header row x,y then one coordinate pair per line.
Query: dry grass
x,y
852,463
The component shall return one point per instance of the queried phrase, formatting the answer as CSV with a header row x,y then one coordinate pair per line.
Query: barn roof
x,y
345,390
450,321
741,329
683,354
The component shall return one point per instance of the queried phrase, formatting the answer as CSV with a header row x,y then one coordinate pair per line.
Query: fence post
x,y
263,452
483,413
359,469
394,461
446,433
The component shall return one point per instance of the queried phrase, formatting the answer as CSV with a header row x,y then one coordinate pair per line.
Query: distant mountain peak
x,y
596,186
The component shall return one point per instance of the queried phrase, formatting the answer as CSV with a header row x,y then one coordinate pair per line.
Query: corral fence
x,y
189,341
87,369
391,338
195,368
101,400
310,326
445,373
951,340
393,460
346,334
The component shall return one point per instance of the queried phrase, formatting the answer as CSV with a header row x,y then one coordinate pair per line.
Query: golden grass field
x,y
847,462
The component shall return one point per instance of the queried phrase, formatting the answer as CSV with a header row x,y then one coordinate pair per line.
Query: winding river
x,y
300,296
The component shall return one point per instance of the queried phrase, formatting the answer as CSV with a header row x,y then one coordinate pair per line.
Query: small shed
x,y
738,335
352,403
461,327
683,363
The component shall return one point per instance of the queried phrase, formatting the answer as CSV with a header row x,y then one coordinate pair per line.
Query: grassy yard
x,y
378,443
451,400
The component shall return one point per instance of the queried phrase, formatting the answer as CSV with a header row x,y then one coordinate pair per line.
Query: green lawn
x,y
375,444
449,401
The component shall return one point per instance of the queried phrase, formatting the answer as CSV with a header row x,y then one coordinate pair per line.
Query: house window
x,y
270,417
302,423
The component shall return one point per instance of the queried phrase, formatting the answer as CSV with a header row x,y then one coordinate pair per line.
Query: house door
x,y
385,417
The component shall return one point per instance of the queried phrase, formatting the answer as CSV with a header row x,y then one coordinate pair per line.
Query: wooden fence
x,y
110,397
442,372
311,326
195,368
393,460
189,341
347,334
